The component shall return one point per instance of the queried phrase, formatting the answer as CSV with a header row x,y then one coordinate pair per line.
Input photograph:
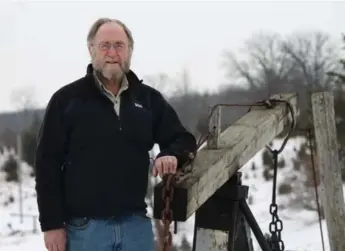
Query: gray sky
x,y
43,45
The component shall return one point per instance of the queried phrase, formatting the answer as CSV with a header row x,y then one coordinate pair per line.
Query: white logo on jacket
x,y
138,105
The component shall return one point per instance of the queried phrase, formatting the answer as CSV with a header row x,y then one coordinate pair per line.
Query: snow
x,y
301,230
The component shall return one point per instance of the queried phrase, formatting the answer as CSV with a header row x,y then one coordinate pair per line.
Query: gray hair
x,y
99,22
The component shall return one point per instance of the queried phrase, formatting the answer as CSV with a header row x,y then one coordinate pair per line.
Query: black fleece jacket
x,y
90,162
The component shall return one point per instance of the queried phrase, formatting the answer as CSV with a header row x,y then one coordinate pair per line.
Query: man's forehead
x,y
112,31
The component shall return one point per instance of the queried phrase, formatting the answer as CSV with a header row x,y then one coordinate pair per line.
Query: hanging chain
x,y
276,226
169,182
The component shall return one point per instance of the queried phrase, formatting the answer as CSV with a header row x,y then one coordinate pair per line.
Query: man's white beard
x,y
112,74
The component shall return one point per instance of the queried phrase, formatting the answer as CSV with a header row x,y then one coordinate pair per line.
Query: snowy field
x,y
301,227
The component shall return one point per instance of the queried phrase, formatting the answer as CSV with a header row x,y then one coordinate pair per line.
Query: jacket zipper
x,y
118,115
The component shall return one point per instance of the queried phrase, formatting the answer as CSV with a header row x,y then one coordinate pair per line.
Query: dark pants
x,y
132,233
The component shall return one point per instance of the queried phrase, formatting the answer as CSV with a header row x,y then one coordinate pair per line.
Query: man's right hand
x,y
55,240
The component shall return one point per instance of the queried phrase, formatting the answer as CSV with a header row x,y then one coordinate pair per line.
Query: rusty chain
x,y
169,182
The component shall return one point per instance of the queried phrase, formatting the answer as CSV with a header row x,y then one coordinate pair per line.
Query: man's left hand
x,y
164,165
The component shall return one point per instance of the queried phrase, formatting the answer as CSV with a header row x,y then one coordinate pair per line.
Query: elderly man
x,y
92,159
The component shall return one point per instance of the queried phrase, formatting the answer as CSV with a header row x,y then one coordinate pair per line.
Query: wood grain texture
x,y
237,145
329,165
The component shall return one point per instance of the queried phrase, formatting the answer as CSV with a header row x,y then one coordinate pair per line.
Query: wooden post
x,y
219,222
214,126
330,170
207,239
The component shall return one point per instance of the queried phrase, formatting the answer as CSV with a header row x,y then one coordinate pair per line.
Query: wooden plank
x,y
330,169
238,144
210,240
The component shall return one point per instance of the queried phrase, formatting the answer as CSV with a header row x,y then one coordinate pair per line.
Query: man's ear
x,y
90,49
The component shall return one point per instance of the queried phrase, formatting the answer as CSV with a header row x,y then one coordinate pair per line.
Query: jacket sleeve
x,y
171,136
48,167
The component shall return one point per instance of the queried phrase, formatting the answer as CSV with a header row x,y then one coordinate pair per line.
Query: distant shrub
x,y
284,188
10,167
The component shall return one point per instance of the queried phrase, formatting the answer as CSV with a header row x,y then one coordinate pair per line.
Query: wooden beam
x,y
329,165
237,145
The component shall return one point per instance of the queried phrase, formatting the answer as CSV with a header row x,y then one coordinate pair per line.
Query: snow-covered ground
x,y
301,228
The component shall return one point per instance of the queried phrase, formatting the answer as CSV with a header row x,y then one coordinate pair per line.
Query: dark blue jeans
x,y
132,233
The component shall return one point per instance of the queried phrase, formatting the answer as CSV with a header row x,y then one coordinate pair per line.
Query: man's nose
x,y
112,51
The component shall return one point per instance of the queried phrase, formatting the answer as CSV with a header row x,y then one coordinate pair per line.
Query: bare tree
x,y
270,63
24,98
276,63
161,82
178,90
314,56
183,84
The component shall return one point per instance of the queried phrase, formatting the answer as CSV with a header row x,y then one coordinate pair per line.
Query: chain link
x,y
169,182
276,226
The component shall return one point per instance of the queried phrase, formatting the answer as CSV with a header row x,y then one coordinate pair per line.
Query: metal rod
x,y
233,230
254,225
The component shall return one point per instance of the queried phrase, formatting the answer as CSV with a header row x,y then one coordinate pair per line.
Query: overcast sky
x,y
43,43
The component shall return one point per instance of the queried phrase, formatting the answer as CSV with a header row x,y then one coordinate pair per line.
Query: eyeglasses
x,y
106,46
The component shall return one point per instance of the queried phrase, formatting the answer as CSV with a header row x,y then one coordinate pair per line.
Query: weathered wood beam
x,y
237,145
329,165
